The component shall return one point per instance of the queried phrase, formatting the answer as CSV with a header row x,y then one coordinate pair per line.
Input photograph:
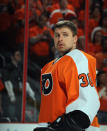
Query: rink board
x,y
29,127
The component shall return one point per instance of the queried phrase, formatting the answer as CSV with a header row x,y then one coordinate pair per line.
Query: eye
x,y
57,35
65,34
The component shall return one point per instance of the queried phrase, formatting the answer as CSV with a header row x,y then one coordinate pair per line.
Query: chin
x,y
65,51
61,51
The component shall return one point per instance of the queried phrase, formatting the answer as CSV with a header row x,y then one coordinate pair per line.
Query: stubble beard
x,y
62,53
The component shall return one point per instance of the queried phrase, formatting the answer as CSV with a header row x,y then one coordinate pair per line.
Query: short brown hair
x,y
66,23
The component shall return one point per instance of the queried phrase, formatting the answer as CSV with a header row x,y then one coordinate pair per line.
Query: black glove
x,y
42,129
68,122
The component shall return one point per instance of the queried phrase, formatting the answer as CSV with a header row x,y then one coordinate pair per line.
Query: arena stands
x,y
43,14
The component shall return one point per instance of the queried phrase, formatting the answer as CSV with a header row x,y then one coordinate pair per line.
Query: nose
x,y
60,38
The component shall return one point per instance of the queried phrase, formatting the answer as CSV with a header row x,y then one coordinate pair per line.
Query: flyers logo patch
x,y
47,84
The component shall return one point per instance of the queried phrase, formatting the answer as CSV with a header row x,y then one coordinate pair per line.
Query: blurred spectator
x,y
95,13
2,64
74,19
1,88
19,3
6,12
12,93
95,17
104,4
77,4
59,10
103,23
39,7
95,45
6,21
81,43
41,42
1,84
102,56
102,89
20,20
98,51
47,6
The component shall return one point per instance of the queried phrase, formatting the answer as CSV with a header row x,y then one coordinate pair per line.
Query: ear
x,y
75,39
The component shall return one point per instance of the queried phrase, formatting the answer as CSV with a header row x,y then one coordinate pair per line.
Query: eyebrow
x,y
62,32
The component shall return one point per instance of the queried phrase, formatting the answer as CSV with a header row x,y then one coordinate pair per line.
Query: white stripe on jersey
x,y
88,100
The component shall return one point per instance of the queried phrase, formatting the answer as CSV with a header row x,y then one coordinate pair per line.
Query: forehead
x,y
98,33
17,53
63,30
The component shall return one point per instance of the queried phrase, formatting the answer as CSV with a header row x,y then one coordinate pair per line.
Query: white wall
x,y
103,128
29,127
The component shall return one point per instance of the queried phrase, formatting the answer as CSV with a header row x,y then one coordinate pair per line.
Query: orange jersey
x,y
68,84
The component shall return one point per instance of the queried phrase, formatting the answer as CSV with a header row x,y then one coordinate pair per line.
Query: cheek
x,y
55,39
55,43
70,41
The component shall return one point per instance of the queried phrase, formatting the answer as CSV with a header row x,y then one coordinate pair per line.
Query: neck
x,y
63,53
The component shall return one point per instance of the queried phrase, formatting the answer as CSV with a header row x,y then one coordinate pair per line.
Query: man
x,y
69,100
41,41
60,10
12,80
12,94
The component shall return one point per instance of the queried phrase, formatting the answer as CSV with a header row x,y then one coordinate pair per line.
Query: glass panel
x,y
91,21
43,15
41,50
98,48
11,59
